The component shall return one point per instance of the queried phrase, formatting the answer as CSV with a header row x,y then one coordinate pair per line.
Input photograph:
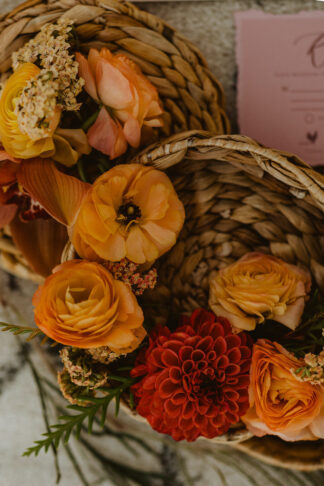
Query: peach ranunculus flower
x,y
15,139
281,404
129,98
259,287
82,305
131,211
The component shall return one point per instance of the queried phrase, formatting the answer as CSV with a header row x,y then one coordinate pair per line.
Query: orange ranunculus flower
x,y
82,305
257,287
118,83
15,142
281,404
131,211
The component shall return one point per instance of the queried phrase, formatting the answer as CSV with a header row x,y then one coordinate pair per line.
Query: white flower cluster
x,y
57,84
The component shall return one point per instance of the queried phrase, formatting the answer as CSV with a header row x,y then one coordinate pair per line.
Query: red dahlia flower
x,y
195,380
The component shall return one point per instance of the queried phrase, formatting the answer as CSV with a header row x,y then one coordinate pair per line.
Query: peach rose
x,y
280,404
82,305
130,211
259,287
118,83
15,142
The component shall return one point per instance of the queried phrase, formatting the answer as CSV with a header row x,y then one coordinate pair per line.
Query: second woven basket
x,y
239,197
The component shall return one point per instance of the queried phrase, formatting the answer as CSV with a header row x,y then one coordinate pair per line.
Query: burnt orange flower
x,y
131,211
280,403
257,287
118,83
82,305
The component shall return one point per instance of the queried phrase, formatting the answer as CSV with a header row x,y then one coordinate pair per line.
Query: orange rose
x,y
131,211
15,142
259,287
82,305
118,83
280,404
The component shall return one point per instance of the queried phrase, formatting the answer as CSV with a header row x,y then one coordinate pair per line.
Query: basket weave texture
x,y
192,97
239,197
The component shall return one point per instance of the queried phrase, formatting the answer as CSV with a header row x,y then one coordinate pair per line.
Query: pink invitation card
x,y
281,81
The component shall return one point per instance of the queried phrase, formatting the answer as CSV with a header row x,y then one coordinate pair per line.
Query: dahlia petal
x,y
232,369
187,366
197,355
167,388
185,353
233,341
156,359
175,374
172,409
188,410
234,355
243,381
162,376
179,398
169,358
149,382
245,352
205,344
221,362
173,344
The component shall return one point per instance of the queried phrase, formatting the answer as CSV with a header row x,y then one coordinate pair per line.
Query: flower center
x,y
128,213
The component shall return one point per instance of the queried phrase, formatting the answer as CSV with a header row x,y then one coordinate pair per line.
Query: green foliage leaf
x,y
15,329
62,431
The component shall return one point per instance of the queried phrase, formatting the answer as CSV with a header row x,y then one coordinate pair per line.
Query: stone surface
x,y
210,26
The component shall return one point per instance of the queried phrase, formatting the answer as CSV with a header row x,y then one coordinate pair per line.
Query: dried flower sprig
x,y
57,85
313,371
51,51
128,272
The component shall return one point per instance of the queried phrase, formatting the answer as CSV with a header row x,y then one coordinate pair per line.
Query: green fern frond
x,y
15,329
61,432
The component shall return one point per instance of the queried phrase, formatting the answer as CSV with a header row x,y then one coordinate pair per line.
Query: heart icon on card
x,y
312,137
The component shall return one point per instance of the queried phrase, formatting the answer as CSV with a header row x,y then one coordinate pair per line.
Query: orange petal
x,y
7,213
77,138
132,132
60,194
107,136
114,88
86,74
41,242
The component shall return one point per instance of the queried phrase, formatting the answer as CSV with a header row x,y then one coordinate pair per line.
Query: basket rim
x,y
285,167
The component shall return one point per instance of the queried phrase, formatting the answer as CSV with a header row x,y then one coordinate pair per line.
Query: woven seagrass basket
x,y
239,197
192,97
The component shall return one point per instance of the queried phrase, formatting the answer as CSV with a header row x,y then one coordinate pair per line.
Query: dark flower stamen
x,y
128,213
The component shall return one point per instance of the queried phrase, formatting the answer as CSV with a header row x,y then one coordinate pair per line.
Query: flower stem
x,y
91,120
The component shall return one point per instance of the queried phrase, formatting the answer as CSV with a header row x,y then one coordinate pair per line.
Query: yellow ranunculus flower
x,y
15,142
259,287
